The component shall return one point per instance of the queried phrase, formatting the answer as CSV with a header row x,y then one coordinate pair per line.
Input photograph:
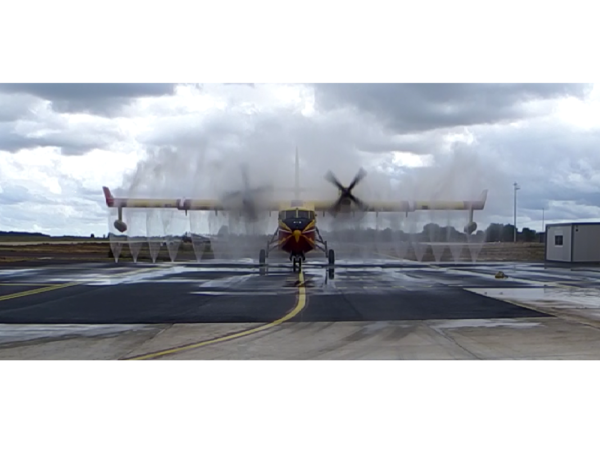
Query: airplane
x,y
297,233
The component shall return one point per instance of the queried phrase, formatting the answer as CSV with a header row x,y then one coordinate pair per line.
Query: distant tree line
x,y
495,232
22,234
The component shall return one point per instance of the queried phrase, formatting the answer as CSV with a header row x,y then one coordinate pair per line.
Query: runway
x,y
380,308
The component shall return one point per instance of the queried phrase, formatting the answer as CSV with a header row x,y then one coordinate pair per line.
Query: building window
x,y
558,240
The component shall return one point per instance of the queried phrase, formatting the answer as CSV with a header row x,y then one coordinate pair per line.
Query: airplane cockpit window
x,y
305,215
299,214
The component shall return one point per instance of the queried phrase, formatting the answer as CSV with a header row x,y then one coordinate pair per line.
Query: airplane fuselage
x,y
297,231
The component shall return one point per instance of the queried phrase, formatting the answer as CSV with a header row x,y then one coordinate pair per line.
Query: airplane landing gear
x,y
297,262
262,257
262,261
331,260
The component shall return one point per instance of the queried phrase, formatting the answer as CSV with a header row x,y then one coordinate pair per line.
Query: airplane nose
x,y
297,234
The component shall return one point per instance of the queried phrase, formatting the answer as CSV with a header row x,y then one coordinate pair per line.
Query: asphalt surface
x,y
236,292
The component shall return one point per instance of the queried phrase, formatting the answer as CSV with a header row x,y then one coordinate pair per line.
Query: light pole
x,y
516,186
543,212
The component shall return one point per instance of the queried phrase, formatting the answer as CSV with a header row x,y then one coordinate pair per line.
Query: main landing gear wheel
x,y
262,261
331,258
262,257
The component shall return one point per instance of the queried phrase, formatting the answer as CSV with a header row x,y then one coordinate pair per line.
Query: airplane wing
x,y
176,203
407,206
319,205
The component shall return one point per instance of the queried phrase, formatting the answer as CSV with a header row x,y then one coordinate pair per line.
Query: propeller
x,y
247,194
346,194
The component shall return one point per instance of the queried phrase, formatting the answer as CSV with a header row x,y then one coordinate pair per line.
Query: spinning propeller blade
x,y
359,176
247,194
346,192
332,179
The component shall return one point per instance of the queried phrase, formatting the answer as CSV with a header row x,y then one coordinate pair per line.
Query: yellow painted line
x,y
37,291
300,305
54,287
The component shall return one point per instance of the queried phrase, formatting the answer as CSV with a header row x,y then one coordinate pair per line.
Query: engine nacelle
x,y
120,226
470,227
183,204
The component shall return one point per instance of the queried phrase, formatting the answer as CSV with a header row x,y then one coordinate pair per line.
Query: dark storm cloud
x,y
16,106
410,108
105,99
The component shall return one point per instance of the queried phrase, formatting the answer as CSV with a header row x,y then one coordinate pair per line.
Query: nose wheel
x,y
297,262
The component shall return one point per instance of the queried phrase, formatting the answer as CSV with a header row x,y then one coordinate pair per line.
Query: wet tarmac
x,y
370,309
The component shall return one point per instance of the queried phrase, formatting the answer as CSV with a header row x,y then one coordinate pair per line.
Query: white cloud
x,y
405,159
580,114
54,163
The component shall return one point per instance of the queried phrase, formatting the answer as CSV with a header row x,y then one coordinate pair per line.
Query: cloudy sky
x,y
60,143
